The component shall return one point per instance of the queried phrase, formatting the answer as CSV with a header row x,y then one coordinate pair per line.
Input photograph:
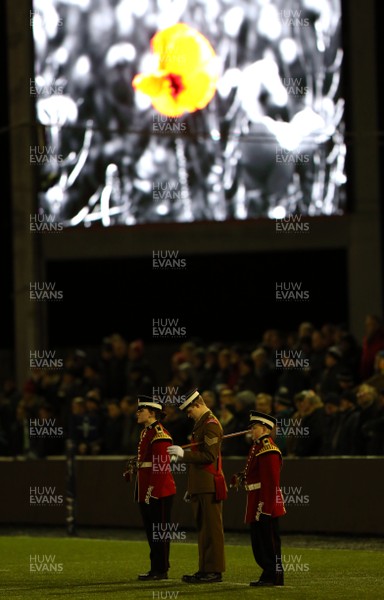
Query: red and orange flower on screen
x,y
186,76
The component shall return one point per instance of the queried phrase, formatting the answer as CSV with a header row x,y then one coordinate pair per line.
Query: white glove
x,y
175,453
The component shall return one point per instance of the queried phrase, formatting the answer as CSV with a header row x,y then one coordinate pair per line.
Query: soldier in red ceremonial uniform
x,y
206,488
265,504
155,486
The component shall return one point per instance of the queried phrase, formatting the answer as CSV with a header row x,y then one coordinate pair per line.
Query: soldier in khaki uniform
x,y
206,488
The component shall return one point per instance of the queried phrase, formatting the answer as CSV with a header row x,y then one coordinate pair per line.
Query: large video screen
x,y
154,111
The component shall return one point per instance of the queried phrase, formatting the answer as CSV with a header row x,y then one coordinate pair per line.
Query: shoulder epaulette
x,y
160,434
268,446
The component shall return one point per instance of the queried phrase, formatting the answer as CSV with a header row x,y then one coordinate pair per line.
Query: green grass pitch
x,y
83,569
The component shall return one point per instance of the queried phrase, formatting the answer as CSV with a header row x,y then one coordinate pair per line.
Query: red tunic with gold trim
x,y
154,477
262,480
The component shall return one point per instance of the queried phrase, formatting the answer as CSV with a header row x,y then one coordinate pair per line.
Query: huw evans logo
x,y
290,157
167,259
167,532
54,89
294,18
40,223
292,224
291,563
164,595
45,496
44,359
291,291
44,155
168,395
293,496
44,563
45,428
163,124
294,86
44,291
168,328
291,427
162,464
291,359
165,191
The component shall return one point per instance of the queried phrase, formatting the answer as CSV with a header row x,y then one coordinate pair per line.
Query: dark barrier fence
x,y
323,495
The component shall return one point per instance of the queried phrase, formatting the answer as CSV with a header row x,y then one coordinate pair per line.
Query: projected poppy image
x,y
186,76
188,110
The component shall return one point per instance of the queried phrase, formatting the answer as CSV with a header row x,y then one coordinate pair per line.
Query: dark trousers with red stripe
x,y
156,519
266,547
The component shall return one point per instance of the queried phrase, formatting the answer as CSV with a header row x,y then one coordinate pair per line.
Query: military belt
x,y
249,487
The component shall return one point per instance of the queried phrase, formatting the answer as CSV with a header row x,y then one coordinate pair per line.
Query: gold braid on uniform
x,y
268,447
160,434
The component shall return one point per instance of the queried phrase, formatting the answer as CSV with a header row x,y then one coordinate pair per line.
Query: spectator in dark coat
x,y
311,410
349,417
328,382
367,399
331,403
113,428
373,342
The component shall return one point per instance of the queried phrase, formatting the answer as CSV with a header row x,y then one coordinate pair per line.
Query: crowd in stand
x,y
325,387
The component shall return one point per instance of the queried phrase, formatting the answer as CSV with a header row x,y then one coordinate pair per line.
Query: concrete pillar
x,y
364,247
28,322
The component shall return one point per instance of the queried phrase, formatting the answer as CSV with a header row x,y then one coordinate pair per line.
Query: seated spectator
x,y
210,400
291,377
349,416
247,379
19,443
131,430
283,410
331,403
138,381
264,403
198,363
328,382
367,400
206,376
224,374
244,402
48,433
230,424
187,380
226,396
312,414
350,351
136,356
377,379
93,425
112,435
346,380
78,429
91,376
114,370
373,342
316,358
264,372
